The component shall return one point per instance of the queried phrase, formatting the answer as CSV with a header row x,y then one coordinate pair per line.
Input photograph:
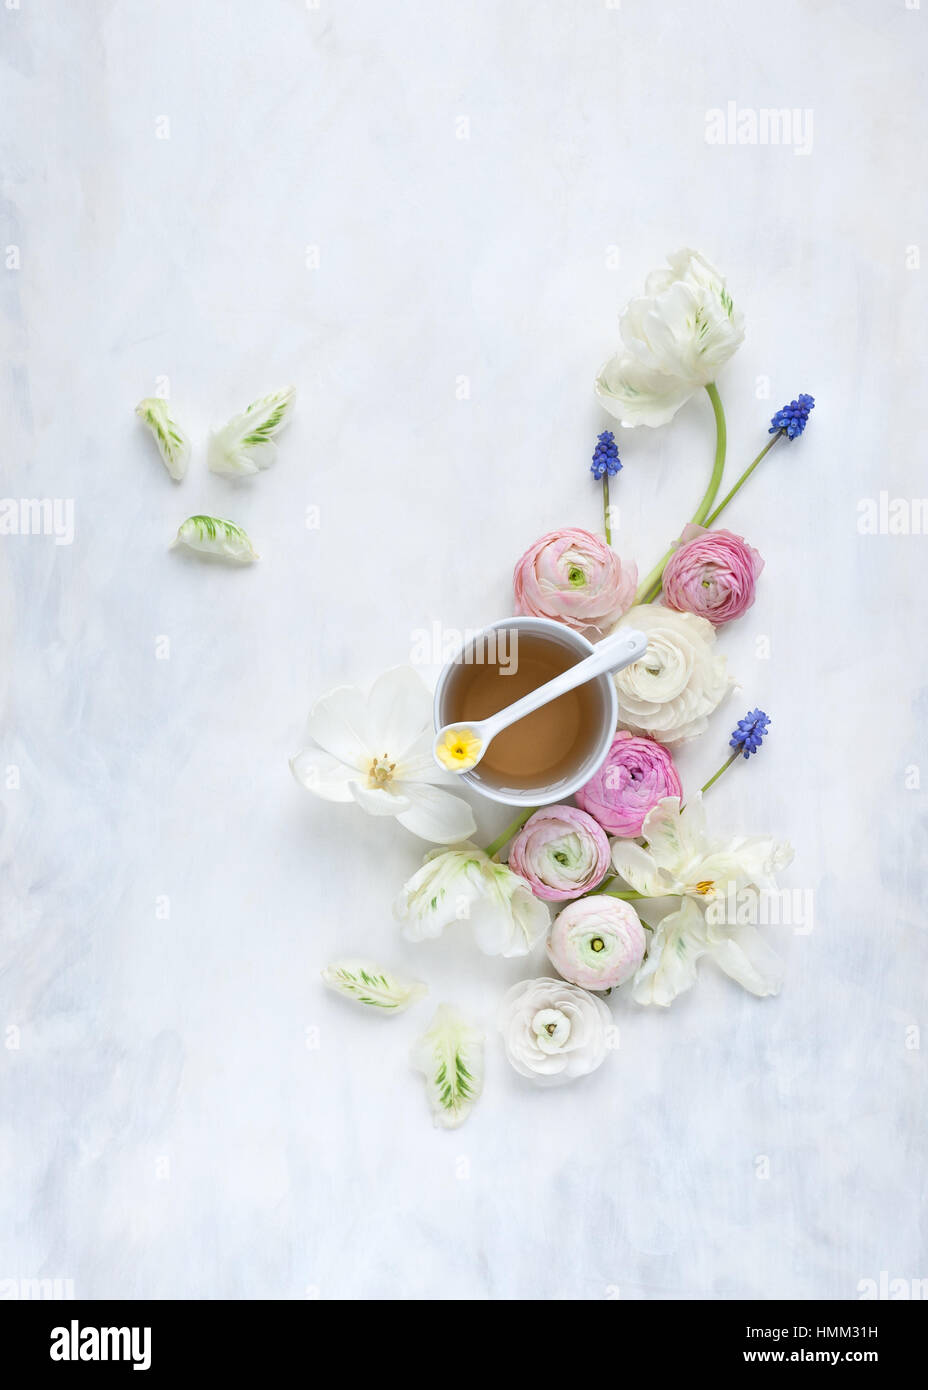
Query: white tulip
x,y
669,692
465,884
675,339
376,750
682,860
553,1031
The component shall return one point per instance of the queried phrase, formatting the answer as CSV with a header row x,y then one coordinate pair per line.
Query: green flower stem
x,y
493,849
716,775
611,892
606,507
724,768
650,587
743,479
601,887
629,895
718,467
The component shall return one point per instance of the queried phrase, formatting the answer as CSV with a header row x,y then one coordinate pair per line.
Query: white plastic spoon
x,y
459,747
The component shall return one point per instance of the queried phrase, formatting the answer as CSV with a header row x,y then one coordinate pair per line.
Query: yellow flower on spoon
x,y
459,749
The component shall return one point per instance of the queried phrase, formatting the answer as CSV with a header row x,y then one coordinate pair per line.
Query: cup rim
x,y
591,765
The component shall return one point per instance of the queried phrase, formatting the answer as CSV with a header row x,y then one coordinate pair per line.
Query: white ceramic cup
x,y
545,793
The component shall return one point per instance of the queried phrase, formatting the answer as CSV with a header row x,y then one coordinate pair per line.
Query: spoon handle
x,y
612,653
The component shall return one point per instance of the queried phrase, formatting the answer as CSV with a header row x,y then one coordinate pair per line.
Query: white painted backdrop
x,y
375,202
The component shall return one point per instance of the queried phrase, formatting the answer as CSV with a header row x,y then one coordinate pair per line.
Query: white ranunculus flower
x,y
464,884
681,859
377,750
553,1031
669,692
675,339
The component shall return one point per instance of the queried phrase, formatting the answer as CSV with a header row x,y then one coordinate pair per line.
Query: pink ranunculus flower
x,y
711,574
636,775
597,942
560,852
575,578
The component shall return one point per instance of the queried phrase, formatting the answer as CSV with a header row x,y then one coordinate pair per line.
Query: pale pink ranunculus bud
x,y
575,578
561,852
597,942
637,773
711,574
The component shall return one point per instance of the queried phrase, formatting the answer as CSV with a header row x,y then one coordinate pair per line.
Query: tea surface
x,y
543,746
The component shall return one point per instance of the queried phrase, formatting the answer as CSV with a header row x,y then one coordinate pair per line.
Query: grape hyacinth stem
x,y
724,768
743,479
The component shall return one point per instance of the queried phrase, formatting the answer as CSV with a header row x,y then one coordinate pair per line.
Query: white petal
x,y
665,834
399,710
370,984
639,869
509,928
423,769
417,763
322,774
670,965
173,444
376,801
245,444
637,395
747,958
434,814
210,535
450,1055
693,822
338,723
759,857
720,868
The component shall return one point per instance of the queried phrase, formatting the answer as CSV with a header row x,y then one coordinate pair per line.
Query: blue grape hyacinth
x,y
793,418
749,735
606,458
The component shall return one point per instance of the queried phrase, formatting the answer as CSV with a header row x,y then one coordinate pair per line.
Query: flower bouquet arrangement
x,y
628,887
